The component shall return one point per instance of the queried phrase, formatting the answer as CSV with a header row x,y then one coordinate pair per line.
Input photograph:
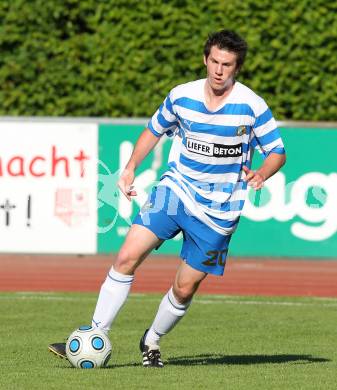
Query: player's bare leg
x,y
138,243
186,282
171,310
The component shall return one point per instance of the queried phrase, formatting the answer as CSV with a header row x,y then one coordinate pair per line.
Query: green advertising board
x,y
295,214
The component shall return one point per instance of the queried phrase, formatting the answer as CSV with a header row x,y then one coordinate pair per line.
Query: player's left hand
x,y
253,178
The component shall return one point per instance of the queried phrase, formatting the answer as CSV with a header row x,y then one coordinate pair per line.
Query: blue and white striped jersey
x,y
210,148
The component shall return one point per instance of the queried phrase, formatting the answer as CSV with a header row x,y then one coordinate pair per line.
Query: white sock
x,y
170,312
112,296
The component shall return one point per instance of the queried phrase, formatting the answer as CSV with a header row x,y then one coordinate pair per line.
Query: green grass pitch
x,y
224,342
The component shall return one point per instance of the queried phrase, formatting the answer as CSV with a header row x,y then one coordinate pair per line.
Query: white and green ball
x,y
88,347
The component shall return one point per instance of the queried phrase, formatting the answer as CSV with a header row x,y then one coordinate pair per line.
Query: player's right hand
x,y
125,183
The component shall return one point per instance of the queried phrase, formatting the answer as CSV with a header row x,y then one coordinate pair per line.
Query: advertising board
x,y
48,181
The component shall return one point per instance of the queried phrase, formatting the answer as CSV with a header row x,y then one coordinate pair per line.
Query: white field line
x,y
275,303
216,299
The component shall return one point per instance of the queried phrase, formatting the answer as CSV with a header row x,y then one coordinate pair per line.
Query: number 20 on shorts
x,y
216,257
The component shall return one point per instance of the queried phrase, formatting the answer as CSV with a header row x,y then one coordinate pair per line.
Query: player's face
x,y
221,68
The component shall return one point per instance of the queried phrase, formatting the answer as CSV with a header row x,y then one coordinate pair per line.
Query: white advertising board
x,y
48,187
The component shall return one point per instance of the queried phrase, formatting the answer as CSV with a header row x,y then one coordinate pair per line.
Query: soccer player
x,y
216,122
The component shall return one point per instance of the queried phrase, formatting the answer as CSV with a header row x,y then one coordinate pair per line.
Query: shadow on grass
x,y
206,360
244,359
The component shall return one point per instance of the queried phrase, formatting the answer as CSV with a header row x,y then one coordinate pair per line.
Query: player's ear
x,y
205,60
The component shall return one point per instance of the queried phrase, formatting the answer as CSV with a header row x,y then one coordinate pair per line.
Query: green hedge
x,y
120,58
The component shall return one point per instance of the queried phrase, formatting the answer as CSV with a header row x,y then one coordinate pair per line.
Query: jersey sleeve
x,y
267,138
164,120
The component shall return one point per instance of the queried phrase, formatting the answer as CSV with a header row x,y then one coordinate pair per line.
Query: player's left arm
x,y
269,143
270,166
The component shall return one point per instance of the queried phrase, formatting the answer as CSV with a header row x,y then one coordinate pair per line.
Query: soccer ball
x,y
88,347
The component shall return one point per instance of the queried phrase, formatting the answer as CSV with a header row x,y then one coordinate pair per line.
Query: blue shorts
x,y
165,215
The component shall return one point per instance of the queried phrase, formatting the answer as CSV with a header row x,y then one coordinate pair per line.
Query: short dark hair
x,y
228,40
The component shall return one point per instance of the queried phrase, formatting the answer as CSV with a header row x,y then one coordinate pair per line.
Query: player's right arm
x,y
146,142
163,121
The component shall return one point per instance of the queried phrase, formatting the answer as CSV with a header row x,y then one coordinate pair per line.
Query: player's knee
x,y
125,262
183,293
